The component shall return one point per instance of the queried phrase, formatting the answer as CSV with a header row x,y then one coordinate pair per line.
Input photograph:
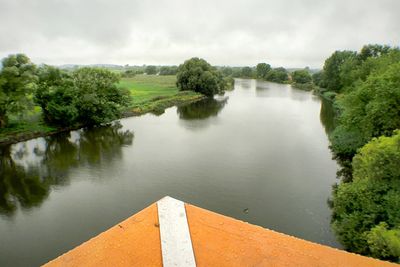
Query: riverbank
x,y
150,94
304,86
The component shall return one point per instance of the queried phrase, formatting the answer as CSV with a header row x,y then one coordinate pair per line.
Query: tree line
x,y
85,96
88,95
261,71
300,78
364,87
149,70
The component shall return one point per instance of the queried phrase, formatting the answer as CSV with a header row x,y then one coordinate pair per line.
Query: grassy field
x,y
152,93
145,87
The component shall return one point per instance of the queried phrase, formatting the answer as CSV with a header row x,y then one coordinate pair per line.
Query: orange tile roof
x,y
217,241
133,242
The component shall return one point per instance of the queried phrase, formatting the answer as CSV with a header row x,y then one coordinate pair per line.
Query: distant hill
x,y
107,66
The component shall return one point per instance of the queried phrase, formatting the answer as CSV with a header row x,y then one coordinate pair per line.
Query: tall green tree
x,y
374,51
17,79
317,79
262,70
333,67
246,72
57,96
150,70
198,75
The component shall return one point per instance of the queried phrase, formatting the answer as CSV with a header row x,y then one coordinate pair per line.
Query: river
x,y
259,154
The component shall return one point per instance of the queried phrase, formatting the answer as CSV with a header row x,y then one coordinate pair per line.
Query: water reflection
x,y
28,170
203,109
299,95
272,90
19,184
244,83
261,85
327,115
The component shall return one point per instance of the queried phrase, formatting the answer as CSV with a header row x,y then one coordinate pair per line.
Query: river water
x,y
259,154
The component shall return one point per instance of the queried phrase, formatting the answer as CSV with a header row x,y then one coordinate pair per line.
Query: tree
x,y
317,78
168,70
262,70
370,110
246,72
88,96
129,73
17,79
332,69
384,242
57,96
366,213
198,75
379,159
301,76
227,71
278,75
150,70
373,50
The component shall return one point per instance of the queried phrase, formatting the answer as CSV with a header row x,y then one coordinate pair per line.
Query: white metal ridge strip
x,y
176,244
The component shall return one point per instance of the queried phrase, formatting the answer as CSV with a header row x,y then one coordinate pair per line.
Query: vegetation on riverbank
x,y
365,89
298,78
262,71
50,100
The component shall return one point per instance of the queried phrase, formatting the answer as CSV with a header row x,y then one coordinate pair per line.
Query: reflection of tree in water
x,y
327,116
328,119
244,83
19,184
202,109
26,184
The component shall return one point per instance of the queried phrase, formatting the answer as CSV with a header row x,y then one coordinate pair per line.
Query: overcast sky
x,y
285,33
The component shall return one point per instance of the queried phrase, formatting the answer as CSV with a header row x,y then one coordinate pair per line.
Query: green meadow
x,y
154,93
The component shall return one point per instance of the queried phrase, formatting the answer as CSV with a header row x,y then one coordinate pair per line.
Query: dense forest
x,y
364,87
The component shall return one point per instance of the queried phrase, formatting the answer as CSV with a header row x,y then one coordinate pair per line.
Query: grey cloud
x,y
283,33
